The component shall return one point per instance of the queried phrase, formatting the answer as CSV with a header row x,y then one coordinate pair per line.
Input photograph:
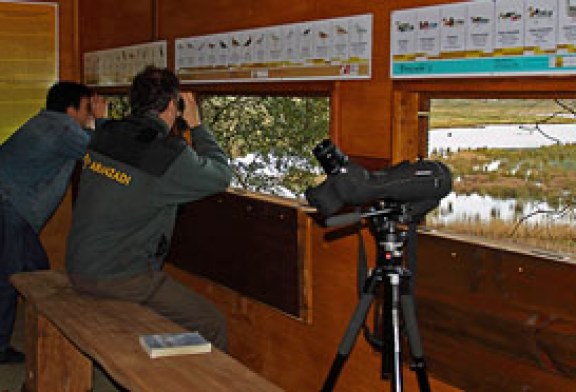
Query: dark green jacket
x,y
132,181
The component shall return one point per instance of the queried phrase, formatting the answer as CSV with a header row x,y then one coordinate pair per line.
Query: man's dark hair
x,y
64,94
152,90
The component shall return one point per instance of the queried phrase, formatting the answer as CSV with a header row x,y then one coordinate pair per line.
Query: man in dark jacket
x,y
35,165
134,176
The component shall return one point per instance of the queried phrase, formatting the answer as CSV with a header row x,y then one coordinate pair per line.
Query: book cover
x,y
168,344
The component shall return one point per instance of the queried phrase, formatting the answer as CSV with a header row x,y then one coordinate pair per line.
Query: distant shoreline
x,y
500,136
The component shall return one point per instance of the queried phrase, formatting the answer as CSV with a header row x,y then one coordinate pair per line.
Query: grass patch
x,y
558,239
465,113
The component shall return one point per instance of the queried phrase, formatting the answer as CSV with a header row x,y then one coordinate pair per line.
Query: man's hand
x,y
191,114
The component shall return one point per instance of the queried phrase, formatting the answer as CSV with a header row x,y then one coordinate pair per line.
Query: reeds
x,y
555,238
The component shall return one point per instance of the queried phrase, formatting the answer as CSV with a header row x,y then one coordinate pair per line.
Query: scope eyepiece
x,y
330,157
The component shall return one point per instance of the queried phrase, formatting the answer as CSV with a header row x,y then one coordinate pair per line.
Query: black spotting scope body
x,y
420,184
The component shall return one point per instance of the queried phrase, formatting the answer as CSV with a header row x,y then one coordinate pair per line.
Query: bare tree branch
x,y
565,107
540,131
557,213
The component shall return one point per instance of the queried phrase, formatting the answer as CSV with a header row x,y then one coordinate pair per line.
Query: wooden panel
x,y
483,309
107,24
30,339
364,119
68,41
531,86
513,337
491,272
51,360
54,235
177,17
246,244
59,362
405,142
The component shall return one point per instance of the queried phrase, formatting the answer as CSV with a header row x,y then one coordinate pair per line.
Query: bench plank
x,y
107,331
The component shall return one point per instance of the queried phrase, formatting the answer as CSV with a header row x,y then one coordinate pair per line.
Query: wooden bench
x,y
67,331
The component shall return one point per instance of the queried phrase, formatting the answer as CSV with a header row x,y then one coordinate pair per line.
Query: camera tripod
x,y
398,311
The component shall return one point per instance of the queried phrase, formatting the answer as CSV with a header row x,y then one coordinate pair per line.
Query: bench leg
x,y
52,362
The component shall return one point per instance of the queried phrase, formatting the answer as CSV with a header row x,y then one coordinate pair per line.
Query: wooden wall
x,y
496,319
375,119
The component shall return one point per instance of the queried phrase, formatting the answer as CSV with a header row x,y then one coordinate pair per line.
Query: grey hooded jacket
x,y
133,178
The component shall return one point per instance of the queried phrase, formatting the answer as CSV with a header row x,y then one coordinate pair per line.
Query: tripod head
x,y
400,212
390,234
389,223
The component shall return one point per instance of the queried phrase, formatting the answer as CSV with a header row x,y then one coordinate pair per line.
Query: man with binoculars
x,y
135,174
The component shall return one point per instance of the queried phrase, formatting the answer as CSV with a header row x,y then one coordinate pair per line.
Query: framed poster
x,y
29,61
339,48
484,38
118,66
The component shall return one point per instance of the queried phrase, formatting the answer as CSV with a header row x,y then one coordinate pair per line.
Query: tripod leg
x,y
414,341
396,382
350,336
387,330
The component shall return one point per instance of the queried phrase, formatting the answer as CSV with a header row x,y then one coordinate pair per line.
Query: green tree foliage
x,y
118,106
270,139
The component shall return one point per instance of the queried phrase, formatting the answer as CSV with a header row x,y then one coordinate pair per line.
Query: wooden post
x,y
52,362
406,138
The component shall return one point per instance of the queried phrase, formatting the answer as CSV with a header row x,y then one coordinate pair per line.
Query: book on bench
x,y
168,344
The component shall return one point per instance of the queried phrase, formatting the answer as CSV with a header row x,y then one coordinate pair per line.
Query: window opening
x,y
270,139
514,169
118,106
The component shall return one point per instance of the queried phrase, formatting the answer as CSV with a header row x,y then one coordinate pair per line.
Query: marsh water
x,y
482,208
